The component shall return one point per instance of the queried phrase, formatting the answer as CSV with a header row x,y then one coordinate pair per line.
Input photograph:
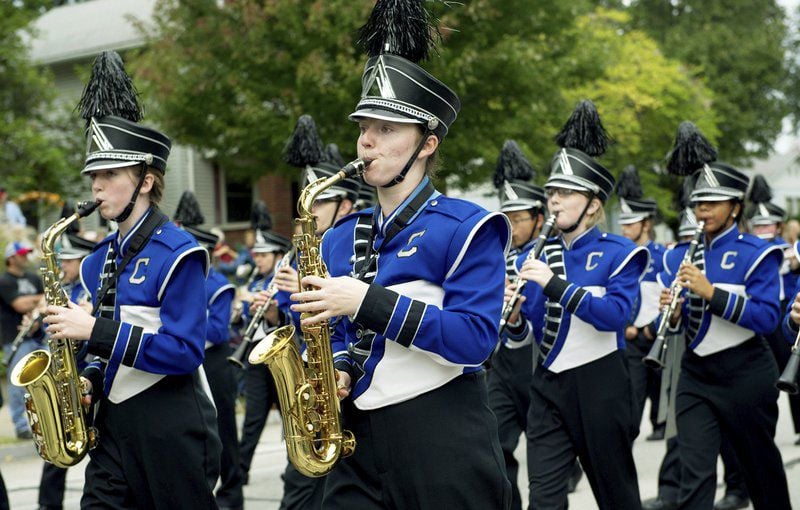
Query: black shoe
x,y
24,434
731,502
659,504
656,435
574,477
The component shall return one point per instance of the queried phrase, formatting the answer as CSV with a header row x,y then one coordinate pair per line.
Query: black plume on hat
x,y
260,218
512,165
629,186
760,192
690,151
399,27
305,147
333,155
584,131
188,213
109,91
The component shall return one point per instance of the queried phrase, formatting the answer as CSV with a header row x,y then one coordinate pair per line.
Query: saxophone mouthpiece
x,y
356,167
87,207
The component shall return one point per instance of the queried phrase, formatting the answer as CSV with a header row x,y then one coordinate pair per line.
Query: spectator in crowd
x,y
10,212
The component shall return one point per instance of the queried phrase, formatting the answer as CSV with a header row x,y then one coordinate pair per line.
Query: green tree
x,y
40,144
737,48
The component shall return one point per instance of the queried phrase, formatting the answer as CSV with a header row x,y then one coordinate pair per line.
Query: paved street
x,y
21,468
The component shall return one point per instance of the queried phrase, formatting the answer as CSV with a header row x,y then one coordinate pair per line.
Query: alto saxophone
x,y
53,402
312,418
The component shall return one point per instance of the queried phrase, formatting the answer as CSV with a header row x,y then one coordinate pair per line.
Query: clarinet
x,y
21,336
239,355
788,379
657,357
236,311
534,254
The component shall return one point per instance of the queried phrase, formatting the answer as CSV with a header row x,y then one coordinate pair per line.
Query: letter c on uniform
x,y
725,264
591,265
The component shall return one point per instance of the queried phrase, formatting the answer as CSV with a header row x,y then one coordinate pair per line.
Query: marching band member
x,y
512,363
727,378
418,282
586,282
792,318
221,377
636,220
158,445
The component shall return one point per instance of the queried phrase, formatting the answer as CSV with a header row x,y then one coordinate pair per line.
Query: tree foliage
x,y
40,146
737,48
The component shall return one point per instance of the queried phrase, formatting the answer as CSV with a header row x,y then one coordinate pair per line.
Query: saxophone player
x,y
158,445
418,283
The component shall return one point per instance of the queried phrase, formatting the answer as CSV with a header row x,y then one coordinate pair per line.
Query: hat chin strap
x,y
129,208
402,175
580,218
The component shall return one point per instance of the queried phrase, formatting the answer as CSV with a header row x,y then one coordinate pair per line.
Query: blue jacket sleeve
x,y
219,315
759,308
465,330
178,347
611,311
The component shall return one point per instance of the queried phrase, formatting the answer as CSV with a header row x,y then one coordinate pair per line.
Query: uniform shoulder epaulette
x,y
454,207
172,236
751,240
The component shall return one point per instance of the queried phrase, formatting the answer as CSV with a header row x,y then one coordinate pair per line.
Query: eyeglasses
x,y
562,192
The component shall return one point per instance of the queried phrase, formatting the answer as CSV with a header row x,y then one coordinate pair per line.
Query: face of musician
x,y
719,216
265,262
767,232
568,204
71,269
522,226
328,211
115,188
638,232
390,145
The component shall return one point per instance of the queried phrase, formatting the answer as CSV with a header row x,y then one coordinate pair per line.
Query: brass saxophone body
x,y
53,403
312,420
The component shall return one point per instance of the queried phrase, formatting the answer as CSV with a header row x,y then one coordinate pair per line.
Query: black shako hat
x,y
634,206
692,154
268,241
305,150
394,87
114,139
582,139
188,216
762,211
512,174
687,223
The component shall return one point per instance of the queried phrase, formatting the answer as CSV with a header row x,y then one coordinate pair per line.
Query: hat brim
x,y
375,113
268,248
107,164
515,206
573,183
630,219
71,256
21,252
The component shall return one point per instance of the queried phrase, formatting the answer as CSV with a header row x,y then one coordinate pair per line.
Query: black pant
x,y
782,350
301,492
645,381
586,411
509,399
732,393
51,486
669,474
436,451
3,495
222,380
156,450
260,395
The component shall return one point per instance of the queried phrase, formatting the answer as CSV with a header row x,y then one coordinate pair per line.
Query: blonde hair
x,y
599,216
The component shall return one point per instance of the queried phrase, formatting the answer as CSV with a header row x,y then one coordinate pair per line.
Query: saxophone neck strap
x,y
143,234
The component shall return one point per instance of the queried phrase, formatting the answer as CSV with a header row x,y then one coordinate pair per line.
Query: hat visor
x,y
515,205
267,248
714,195
573,183
630,219
376,113
21,252
107,164
71,256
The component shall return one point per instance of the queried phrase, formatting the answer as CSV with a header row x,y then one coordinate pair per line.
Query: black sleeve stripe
x,y
575,300
738,308
411,324
377,308
129,358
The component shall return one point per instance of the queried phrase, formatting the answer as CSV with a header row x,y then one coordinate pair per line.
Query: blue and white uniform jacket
x,y
219,295
789,327
77,294
746,300
432,311
159,324
788,278
646,307
584,309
